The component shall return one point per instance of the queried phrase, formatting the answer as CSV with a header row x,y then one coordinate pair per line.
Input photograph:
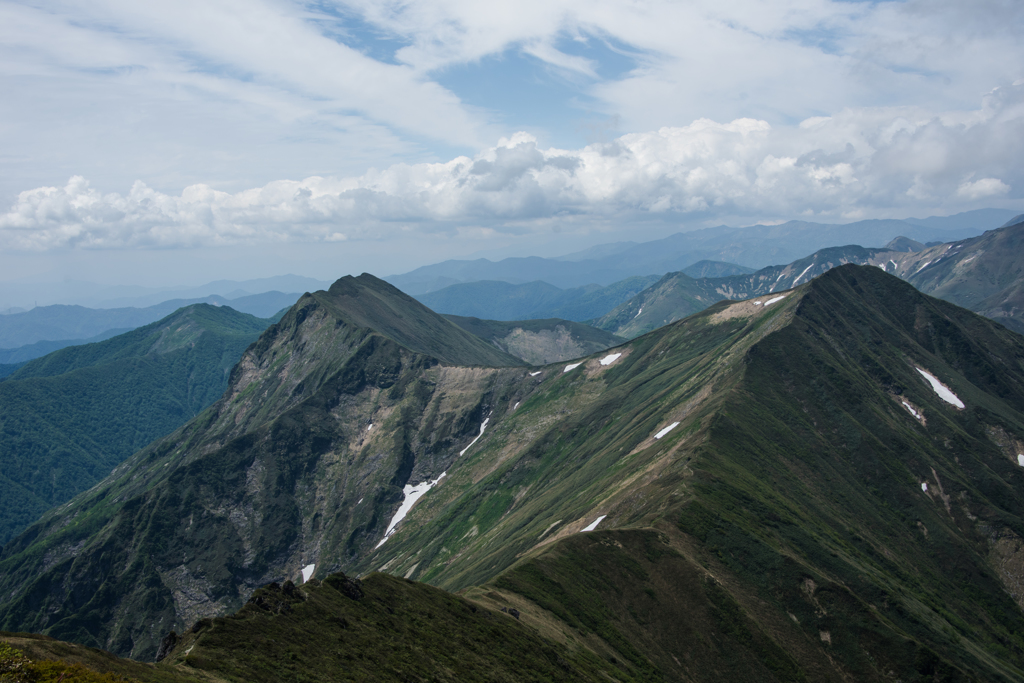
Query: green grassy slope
x,y
371,303
68,418
797,479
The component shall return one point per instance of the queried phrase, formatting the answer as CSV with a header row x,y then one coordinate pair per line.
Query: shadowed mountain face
x,y
819,483
67,419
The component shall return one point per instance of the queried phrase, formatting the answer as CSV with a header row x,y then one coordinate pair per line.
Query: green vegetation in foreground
x,y
68,418
380,629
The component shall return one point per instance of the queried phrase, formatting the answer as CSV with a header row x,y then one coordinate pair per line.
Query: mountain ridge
x,y
722,460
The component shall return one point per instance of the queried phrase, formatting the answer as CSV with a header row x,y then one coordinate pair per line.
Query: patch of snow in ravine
x,y
369,426
593,525
666,430
412,494
774,299
483,426
359,501
911,409
638,313
924,486
534,374
941,389
757,303
1020,460
611,358
572,366
307,572
516,405
926,263
800,275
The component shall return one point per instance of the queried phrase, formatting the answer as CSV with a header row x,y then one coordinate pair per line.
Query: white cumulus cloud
x,y
857,162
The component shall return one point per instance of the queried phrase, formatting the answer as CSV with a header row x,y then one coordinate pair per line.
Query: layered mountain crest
x,y
982,273
819,483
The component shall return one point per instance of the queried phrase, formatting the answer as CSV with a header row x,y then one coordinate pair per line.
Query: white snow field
x,y
534,374
1020,460
924,486
911,409
483,426
941,389
593,525
610,358
572,366
666,430
774,299
800,276
307,572
638,313
412,494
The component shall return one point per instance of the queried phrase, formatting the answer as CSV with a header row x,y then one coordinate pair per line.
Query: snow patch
x,y
593,525
516,405
666,430
800,276
911,409
924,486
369,426
483,426
307,572
611,358
1020,459
638,313
757,303
572,366
359,501
774,299
941,389
534,374
412,494
926,263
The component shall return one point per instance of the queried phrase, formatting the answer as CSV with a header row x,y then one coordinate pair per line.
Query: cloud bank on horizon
x,y
816,109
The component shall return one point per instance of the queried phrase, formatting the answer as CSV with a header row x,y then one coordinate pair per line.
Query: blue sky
x,y
184,141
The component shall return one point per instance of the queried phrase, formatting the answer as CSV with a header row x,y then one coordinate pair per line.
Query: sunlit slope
x,y
68,418
794,476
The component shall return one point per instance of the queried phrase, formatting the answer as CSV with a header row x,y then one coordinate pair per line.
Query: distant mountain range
x,y
35,333
821,483
68,418
984,274
754,247
19,296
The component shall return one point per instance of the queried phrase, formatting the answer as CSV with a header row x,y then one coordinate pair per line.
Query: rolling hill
x,y
818,484
68,418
